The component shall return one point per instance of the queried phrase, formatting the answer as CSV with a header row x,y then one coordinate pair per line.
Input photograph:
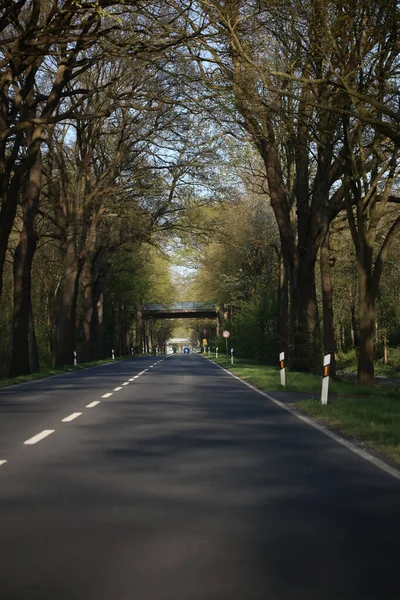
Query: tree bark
x,y
23,257
327,302
138,330
283,306
33,349
354,325
306,335
88,282
365,375
385,350
65,322
100,349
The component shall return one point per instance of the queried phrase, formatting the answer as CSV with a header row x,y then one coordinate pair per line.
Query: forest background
x,y
255,142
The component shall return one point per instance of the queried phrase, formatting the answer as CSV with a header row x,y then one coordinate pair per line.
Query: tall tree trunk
x,y
307,349
354,325
138,330
365,375
88,282
33,349
22,272
100,349
283,306
65,322
7,216
327,302
385,349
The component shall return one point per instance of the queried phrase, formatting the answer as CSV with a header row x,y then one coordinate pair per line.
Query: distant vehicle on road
x,y
186,350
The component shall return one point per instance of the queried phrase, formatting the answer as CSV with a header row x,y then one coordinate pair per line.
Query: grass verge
x,y
368,415
49,372
266,378
373,421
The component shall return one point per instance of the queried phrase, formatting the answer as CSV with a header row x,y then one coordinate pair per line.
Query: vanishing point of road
x,y
168,479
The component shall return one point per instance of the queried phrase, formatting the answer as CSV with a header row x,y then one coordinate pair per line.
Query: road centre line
x,y
93,404
2,462
40,436
107,395
117,389
71,417
126,383
131,379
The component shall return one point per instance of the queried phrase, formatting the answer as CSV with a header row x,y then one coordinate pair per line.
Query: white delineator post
x,y
231,356
112,354
282,368
75,360
325,379
216,352
209,350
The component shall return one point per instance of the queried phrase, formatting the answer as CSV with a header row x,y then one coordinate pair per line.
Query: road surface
x,y
184,484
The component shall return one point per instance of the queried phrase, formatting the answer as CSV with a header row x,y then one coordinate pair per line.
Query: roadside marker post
x,y
282,368
231,356
216,352
75,360
209,350
325,379
131,351
112,354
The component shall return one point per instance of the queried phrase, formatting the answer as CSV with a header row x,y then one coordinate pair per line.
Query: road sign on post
x,y
226,334
325,379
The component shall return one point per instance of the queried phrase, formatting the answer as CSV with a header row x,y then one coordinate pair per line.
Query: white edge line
x,y
40,436
107,395
334,436
93,404
2,462
71,417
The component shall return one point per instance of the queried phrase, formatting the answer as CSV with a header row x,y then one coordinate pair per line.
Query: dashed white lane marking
x,y
93,404
71,417
151,366
117,389
2,462
126,383
136,377
40,436
131,379
141,373
107,395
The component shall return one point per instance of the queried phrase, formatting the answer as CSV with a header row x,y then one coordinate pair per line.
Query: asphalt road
x,y
184,484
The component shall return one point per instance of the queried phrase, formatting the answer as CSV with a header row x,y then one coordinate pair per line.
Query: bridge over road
x,y
181,310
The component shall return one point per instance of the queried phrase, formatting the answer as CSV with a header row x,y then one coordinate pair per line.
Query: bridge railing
x,y
181,307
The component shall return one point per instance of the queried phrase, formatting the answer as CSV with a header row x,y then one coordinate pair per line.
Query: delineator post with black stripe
x,y
282,368
325,379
